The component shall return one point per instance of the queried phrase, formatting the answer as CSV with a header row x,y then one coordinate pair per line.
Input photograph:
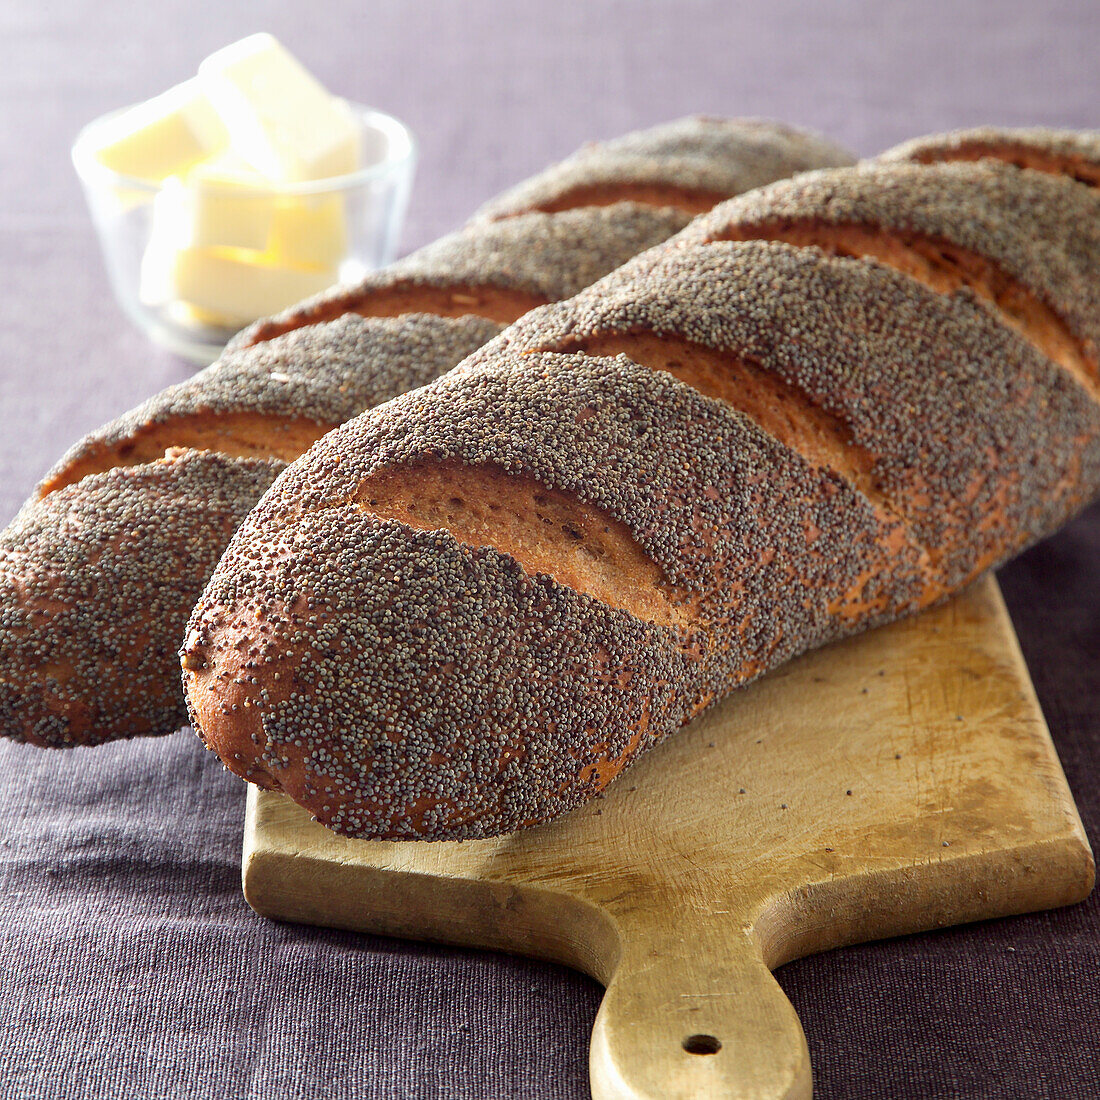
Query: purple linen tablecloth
x,y
131,965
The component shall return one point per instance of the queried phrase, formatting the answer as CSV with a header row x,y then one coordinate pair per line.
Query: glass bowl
x,y
259,249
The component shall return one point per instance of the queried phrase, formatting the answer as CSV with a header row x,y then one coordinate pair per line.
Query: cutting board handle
x,y
693,1011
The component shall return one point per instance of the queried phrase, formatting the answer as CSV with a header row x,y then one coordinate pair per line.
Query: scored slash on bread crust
x,y
409,670
117,617
294,388
545,530
1071,153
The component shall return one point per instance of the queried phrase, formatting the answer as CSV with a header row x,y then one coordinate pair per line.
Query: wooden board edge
x,y
787,926
1024,673
520,918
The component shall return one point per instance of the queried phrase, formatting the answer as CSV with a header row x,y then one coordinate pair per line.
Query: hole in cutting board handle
x,y
701,1044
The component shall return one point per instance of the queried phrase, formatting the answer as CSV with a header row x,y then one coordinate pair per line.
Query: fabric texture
x,y
132,966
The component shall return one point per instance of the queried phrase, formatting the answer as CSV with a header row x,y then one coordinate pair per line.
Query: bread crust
x,y
275,399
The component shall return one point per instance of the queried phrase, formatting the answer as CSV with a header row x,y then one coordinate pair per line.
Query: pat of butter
x,y
279,117
163,136
223,204
227,286
309,229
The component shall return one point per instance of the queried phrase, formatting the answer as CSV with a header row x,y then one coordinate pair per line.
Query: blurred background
x,y
494,91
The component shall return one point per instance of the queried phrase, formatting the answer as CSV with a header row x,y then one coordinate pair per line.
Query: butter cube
x,y
309,229
223,204
163,136
226,286
279,117
242,286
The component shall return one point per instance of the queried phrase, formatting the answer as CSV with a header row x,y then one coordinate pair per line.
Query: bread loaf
x,y
100,569
829,403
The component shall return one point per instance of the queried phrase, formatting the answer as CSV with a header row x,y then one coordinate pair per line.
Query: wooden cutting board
x,y
894,782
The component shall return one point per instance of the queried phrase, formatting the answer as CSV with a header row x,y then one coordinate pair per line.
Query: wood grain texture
x,y
899,781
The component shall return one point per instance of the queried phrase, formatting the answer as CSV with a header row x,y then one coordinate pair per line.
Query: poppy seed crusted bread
x,y
84,613
469,610
99,571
